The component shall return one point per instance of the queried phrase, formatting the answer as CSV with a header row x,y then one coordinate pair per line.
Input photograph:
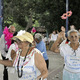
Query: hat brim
x,y
25,37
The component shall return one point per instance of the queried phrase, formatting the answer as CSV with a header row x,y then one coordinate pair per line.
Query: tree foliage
x,y
46,12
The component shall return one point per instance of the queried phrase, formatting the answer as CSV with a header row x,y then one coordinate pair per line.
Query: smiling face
x,y
74,38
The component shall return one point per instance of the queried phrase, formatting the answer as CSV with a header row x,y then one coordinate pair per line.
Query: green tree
x,y
46,12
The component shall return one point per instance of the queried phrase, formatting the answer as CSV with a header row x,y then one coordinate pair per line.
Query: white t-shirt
x,y
14,47
71,58
54,37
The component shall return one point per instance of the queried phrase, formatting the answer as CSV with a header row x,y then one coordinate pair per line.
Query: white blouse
x,y
30,71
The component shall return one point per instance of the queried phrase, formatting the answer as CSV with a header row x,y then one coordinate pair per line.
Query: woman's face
x,y
63,28
74,38
22,44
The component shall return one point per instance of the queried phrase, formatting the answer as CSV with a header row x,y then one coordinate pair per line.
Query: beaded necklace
x,y
20,75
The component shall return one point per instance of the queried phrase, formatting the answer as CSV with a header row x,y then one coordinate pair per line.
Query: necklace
x,y
74,51
20,73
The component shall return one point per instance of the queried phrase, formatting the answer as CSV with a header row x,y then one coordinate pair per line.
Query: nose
x,y
74,38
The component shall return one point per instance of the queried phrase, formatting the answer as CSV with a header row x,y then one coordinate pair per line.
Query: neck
x,y
24,51
74,45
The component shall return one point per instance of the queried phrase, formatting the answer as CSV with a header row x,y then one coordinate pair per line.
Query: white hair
x,y
38,36
10,26
73,30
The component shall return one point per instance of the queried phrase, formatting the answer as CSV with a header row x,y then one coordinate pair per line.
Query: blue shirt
x,y
41,46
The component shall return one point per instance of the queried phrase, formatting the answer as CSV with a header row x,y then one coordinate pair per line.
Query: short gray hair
x,y
38,36
73,30
10,26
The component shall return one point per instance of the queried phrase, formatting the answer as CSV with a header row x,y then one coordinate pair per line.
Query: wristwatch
x,y
41,78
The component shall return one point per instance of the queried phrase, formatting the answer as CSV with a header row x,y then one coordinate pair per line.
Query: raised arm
x,y
55,45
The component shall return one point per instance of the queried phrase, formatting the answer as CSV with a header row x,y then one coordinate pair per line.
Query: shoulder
x,y
65,46
42,43
36,50
12,46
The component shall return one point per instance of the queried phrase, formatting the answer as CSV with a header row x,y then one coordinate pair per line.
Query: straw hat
x,y
24,37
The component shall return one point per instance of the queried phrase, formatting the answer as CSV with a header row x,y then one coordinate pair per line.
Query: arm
x,y
13,54
8,63
55,45
41,65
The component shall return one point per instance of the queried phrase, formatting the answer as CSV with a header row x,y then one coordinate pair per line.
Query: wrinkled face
x,y
74,38
12,30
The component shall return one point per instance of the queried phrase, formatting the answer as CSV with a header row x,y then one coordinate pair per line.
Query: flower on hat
x,y
21,32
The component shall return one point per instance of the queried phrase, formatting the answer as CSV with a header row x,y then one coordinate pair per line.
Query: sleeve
x,y
2,45
38,51
61,51
12,47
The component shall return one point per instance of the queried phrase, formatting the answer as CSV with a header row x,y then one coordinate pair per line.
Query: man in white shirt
x,y
4,46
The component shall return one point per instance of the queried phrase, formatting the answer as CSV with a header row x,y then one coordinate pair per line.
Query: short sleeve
x,y
61,51
12,47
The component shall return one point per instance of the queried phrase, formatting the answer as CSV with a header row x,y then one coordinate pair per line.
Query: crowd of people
x,y
25,55
22,57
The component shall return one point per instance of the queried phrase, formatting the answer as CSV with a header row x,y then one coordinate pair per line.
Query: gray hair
x,y
38,36
10,26
73,30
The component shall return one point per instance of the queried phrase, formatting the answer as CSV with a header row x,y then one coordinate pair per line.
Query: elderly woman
x,y
40,45
28,62
71,54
